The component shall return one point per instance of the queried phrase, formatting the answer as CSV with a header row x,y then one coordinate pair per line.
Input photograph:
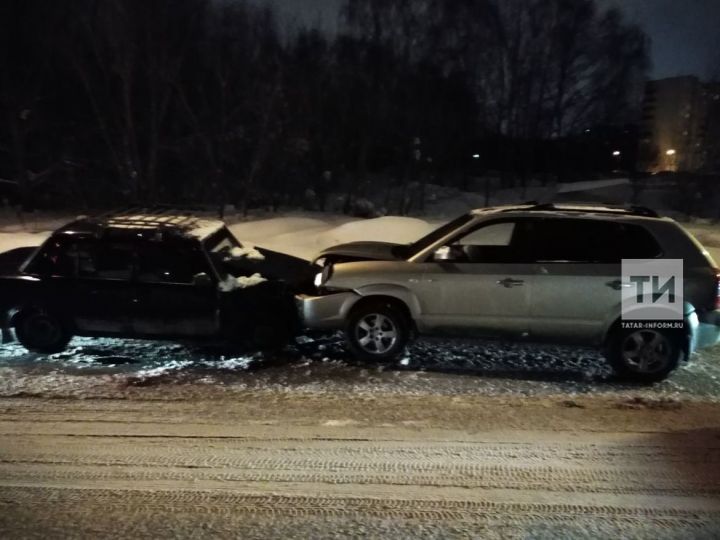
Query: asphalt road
x,y
269,466
137,439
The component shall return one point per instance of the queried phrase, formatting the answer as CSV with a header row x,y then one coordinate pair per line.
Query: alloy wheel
x,y
376,333
646,351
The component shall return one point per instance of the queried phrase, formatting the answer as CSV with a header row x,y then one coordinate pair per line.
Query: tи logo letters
x,y
652,290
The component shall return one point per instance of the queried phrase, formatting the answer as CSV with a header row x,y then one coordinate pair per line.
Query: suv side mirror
x,y
202,280
448,253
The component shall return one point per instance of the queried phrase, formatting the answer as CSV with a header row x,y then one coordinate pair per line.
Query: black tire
x,y
644,355
276,325
41,332
271,336
377,331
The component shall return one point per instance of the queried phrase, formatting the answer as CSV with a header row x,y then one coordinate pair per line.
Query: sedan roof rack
x,y
155,216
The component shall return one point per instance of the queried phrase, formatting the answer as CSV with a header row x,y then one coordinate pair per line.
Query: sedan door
x,y
476,285
91,281
171,301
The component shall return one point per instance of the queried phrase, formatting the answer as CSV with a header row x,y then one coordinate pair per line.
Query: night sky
x,y
685,33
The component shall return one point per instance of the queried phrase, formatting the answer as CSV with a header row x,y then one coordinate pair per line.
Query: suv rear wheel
x,y
40,331
644,355
377,330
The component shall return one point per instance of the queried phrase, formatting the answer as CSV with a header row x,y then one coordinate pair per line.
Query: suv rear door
x,y
577,283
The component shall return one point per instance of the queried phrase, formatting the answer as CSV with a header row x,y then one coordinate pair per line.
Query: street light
x,y
671,160
616,153
476,156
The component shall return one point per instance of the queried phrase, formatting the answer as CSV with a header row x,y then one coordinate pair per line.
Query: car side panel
x,y
175,309
475,298
570,302
98,305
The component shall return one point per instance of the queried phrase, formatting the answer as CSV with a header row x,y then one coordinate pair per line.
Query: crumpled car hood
x,y
371,251
274,266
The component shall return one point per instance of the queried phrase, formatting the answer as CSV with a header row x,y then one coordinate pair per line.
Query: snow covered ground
x,y
320,364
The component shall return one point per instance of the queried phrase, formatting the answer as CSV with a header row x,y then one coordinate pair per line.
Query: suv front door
x,y
482,288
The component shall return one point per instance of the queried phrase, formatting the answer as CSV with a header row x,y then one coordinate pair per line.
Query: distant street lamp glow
x,y
670,152
616,153
476,156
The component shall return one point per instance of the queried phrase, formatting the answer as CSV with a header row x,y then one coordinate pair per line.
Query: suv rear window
x,y
587,241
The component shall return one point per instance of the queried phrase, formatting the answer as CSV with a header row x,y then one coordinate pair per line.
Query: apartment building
x,y
680,126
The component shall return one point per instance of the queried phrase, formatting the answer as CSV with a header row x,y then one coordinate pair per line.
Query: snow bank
x,y
572,187
16,240
304,236
285,224
401,230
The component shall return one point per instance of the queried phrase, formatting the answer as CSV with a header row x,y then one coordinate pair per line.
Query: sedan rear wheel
x,y
39,331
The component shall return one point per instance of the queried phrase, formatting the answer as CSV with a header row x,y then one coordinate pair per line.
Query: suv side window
x,y
587,241
170,263
489,243
494,234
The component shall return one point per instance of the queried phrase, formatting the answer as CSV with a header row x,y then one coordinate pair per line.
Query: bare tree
x,y
27,27
127,55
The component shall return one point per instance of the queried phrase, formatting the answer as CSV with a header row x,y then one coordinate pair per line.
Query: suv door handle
x,y
617,284
510,282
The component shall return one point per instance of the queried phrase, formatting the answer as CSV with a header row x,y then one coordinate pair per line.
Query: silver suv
x,y
528,272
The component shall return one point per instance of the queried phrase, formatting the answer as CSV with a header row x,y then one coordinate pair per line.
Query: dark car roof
x,y
135,222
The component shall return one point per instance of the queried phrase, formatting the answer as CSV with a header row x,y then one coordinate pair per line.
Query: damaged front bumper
x,y
706,332
327,311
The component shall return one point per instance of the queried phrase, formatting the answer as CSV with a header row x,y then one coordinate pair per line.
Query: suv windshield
x,y
428,240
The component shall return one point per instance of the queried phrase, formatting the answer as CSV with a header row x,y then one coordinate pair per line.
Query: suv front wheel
x,y
644,355
377,330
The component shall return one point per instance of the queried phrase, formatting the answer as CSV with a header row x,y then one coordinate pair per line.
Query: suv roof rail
x,y
598,208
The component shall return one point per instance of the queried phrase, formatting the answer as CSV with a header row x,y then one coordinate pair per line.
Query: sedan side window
x,y
113,260
171,264
86,258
